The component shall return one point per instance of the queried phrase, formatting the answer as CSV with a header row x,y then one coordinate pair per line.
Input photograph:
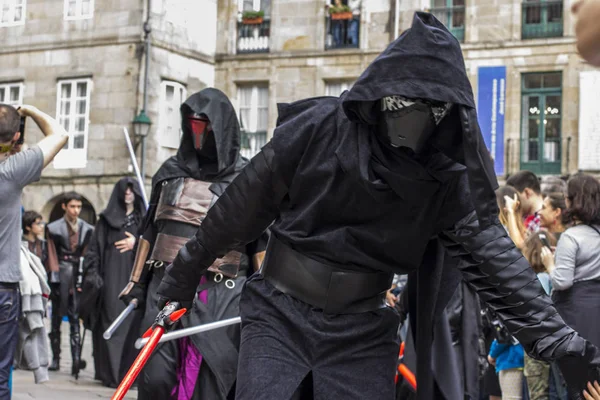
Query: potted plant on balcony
x,y
253,17
340,12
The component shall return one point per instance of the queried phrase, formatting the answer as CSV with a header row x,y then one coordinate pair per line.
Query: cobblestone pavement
x,y
62,386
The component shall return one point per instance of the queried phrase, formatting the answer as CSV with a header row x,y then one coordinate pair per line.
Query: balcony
x,y
453,18
342,31
252,142
253,37
542,19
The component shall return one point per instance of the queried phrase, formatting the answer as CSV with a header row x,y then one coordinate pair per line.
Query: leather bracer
x,y
140,269
496,269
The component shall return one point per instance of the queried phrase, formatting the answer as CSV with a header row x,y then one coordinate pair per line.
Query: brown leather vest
x,y
186,200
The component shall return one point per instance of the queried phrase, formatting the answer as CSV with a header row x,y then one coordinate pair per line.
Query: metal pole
x,y
396,19
135,167
147,31
190,331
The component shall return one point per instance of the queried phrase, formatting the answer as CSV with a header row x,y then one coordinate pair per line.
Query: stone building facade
x,y
83,62
296,52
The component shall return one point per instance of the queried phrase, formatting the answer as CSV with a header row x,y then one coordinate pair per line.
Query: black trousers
x,y
285,341
64,303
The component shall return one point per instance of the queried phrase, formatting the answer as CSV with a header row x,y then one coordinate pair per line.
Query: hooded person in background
x,y
184,188
355,189
108,265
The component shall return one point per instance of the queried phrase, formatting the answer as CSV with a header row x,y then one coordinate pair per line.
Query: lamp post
x,y
141,128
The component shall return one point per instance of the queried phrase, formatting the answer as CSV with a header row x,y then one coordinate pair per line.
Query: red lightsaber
x,y
167,317
404,371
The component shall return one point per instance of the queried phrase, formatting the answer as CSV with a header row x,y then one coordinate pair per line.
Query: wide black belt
x,y
325,287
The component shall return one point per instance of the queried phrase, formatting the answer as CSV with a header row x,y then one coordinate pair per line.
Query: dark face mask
x,y
409,122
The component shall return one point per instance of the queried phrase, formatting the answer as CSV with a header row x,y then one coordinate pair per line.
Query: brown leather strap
x,y
166,247
228,265
140,260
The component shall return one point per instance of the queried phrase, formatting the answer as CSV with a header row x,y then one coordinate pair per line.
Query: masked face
x,y
410,122
199,127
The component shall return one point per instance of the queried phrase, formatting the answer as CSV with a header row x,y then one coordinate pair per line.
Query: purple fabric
x,y
191,360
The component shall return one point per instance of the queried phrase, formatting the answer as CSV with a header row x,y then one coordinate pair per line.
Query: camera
x,y
22,131
544,240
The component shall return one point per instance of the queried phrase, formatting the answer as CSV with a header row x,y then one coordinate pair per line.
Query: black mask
x,y
409,122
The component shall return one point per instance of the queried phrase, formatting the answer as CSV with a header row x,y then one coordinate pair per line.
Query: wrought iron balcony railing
x,y
542,19
253,37
342,33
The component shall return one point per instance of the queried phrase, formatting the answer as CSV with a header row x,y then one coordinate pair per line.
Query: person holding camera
x,y
17,169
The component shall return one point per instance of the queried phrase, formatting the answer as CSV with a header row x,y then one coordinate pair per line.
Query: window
x,y
337,88
541,122
253,103
79,9
452,14
172,95
542,19
342,24
12,12
11,93
72,112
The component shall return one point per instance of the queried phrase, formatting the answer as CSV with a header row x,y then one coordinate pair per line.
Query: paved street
x,y
62,386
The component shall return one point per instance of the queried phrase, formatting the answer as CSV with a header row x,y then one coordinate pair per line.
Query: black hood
x,y
216,106
426,62
115,211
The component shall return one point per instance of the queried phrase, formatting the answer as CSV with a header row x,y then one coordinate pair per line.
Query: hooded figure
x,y
202,366
107,269
357,188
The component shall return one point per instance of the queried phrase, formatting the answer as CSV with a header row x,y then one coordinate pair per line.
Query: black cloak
x,y
106,272
219,350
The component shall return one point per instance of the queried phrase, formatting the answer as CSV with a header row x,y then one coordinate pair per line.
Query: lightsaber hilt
x,y
190,331
119,320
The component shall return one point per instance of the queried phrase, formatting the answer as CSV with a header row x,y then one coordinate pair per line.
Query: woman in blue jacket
x,y
508,360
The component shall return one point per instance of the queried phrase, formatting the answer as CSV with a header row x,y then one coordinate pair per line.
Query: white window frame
x,y
345,84
164,139
255,5
7,86
78,15
11,10
252,125
70,157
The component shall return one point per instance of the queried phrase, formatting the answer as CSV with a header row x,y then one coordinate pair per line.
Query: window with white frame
x,y
255,5
79,9
172,95
72,112
12,12
336,88
11,93
253,103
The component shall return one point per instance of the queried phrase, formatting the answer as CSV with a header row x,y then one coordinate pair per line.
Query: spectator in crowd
x,y
552,213
537,372
33,232
511,214
587,30
507,358
593,392
553,184
354,23
528,186
17,169
575,273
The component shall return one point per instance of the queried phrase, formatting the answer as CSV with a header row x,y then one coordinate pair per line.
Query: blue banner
x,y
491,95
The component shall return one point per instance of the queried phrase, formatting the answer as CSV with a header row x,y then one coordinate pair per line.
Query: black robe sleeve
x,y
90,298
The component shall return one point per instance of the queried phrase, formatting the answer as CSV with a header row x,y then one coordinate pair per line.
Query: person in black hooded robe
x,y
108,265
356,188
204,365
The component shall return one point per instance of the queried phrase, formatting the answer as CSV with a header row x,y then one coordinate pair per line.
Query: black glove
x,y
134,291
183,276
579,367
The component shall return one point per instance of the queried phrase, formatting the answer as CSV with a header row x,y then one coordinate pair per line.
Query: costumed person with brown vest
x,y
185,187
387,178
67,238
107,268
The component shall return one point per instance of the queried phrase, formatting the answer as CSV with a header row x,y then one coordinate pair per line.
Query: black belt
x,y
9,285
330,289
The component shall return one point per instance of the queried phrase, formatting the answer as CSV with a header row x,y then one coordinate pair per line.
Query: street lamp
x,y
141,128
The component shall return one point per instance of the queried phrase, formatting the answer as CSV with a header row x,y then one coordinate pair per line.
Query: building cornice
x,y
70,44
196,55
